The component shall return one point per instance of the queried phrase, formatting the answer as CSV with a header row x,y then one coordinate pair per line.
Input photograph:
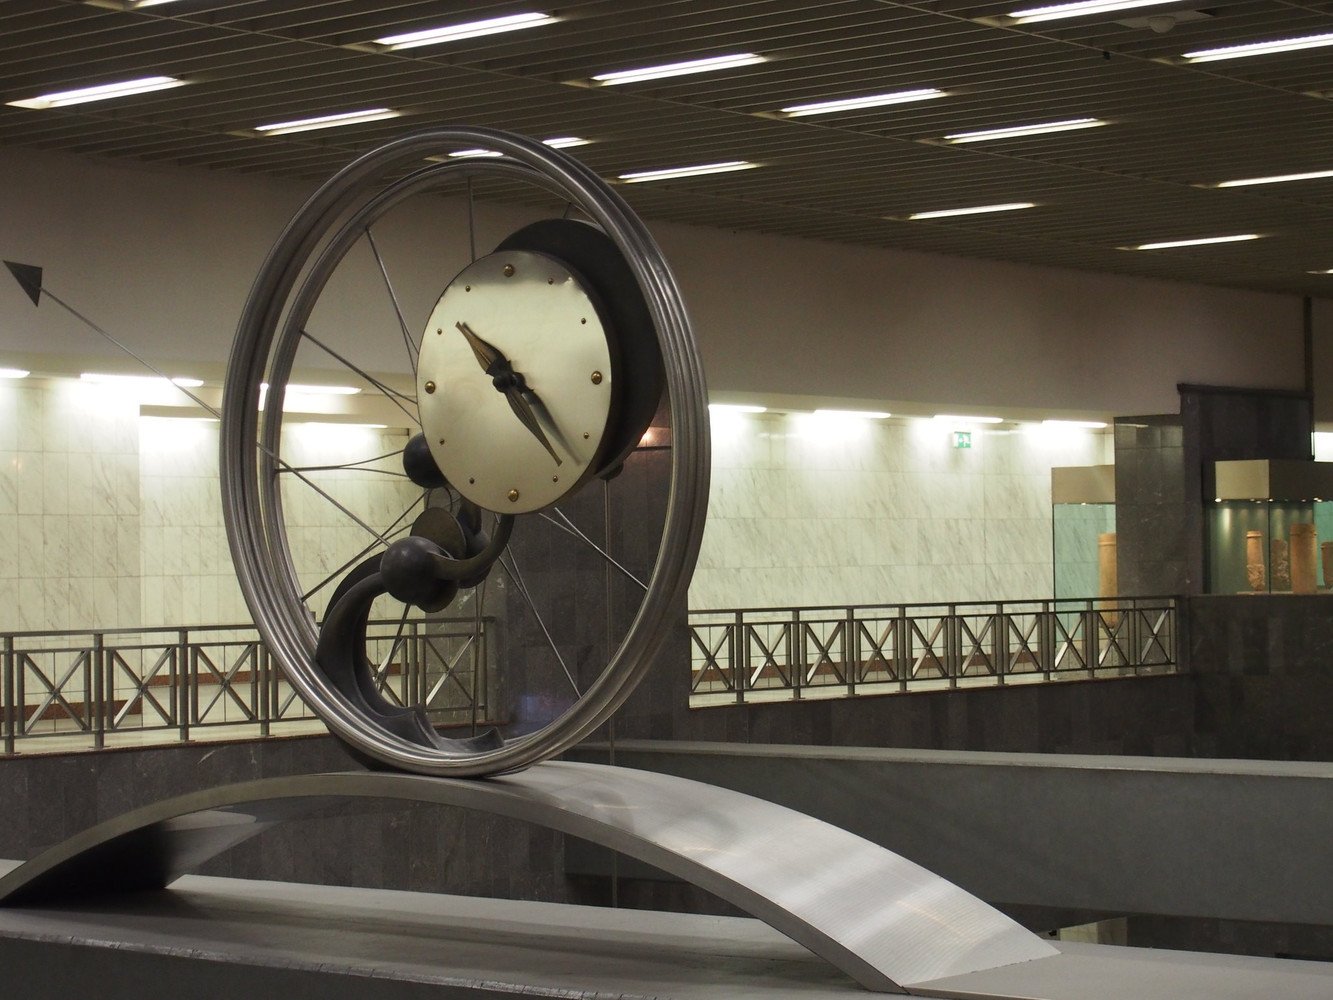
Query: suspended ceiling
x,y
844,177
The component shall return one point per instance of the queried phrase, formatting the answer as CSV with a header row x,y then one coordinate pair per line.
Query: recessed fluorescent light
x,y
14,373
736,408
705,168
145,381
297,388
102,92
470,29
860,414
1084,8
945,213
1313,175
1259,48
1090,424
953,418
327,121
869,101
1016,131
1329,271
560,142
1195,243
708,65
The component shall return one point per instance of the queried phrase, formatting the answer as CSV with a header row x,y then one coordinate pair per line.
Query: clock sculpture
x,y
537,373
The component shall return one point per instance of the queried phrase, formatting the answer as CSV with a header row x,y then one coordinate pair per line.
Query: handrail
x,y
741,655
181,682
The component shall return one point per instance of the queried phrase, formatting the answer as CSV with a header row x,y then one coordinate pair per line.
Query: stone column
x,y
1304,545
1107,583
1279,564
1256,572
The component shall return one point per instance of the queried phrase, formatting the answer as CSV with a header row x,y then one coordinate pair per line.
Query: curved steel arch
x,y
881,919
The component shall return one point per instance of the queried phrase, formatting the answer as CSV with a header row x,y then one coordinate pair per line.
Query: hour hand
x,y
490,357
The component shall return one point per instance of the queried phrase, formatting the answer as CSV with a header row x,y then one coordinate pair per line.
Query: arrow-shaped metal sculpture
x,y
29,277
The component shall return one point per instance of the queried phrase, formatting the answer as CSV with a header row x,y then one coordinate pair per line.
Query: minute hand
x,y
510,382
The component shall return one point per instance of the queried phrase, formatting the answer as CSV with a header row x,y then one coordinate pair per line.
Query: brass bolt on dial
x,y
430,387
513,496
509,270
596,378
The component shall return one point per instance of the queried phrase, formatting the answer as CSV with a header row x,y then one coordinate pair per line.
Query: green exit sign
x,y
962,439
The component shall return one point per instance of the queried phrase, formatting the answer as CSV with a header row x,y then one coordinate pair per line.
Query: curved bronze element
x,y
881,919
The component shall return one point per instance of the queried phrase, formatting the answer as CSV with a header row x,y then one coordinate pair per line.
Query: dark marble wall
x,y
1158,514
1262,675
1164,476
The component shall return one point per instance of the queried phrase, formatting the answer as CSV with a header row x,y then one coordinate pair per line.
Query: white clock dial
x,y
515,382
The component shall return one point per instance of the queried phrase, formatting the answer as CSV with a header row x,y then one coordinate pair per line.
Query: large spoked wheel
x,y
259,470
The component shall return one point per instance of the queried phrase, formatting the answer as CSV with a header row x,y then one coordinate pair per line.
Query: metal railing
x,y
774,654
93,688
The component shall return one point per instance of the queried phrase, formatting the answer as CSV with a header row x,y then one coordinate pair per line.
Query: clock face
x,y
515,382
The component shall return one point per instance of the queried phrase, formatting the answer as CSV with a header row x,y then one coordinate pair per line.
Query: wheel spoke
x,y
393,647
511,570
353,465
393,395
570,528
390,532
413,352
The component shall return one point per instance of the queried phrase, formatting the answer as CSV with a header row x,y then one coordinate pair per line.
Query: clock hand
x,y
510,382
492,361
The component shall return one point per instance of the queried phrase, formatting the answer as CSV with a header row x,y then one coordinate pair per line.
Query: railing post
x,y
1135,651
264,707
183,686
12,712
851,654
739,673
902,648
98,712
1000,644
1091,633
1046,640
953,645
796,653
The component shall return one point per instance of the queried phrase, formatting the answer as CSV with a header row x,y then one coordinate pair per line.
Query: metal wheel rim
x,y
255,530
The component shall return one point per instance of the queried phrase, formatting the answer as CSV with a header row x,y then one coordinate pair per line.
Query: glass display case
x,y
1270,529
1083,544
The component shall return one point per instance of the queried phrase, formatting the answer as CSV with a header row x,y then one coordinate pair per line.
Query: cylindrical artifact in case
x,y
1256,571
1304,545
1107,584
1279,564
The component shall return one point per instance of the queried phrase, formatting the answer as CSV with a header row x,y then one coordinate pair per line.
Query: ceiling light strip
x,y
708,65
945,213
671,173
1313,175
327,121
867,101
1018,131
1085,8
1259,48
14,373
1169,244
101,92
559,142
470,29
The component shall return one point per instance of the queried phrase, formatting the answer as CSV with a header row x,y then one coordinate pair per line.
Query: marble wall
x,y
114,520
809,510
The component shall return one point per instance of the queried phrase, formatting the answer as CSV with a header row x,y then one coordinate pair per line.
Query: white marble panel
x,y
26,474
9,485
